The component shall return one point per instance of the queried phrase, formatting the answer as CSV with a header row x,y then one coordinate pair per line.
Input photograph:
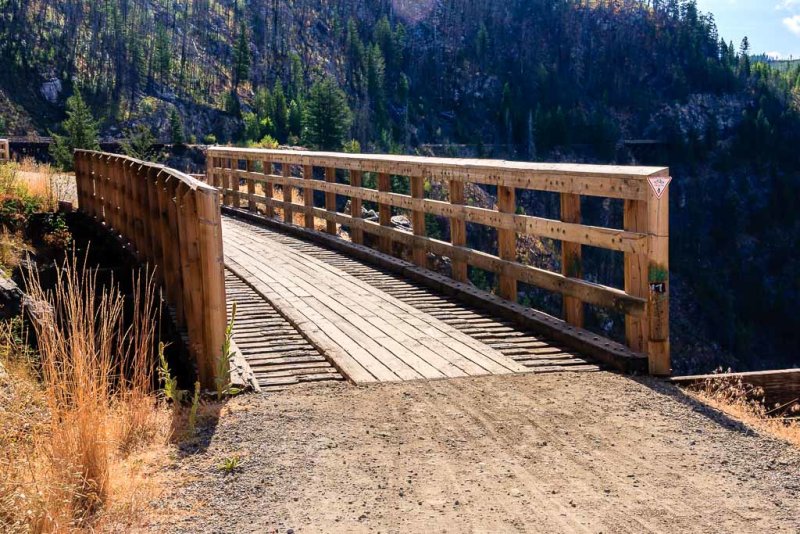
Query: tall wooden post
x,y
251,188
330,199
507,241
658,353
235,184
419,254
356,234
458,230
571,262
267,185
384,213
636,264
288,194
213,284
308,197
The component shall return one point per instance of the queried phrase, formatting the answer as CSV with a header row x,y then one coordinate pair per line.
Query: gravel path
x,y
564,452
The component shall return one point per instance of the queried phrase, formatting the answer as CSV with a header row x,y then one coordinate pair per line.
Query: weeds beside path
x,y
537,453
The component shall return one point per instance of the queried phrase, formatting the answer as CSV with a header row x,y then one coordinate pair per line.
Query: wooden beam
x,y
287,194
571,260
385,213
586,291
267,185
251,188
609,238
330,199
507,242
635,266
356,234
658,352
458,230
308,195
418,220
627,182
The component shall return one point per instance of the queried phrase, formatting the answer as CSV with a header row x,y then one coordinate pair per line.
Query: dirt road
x,y
594,452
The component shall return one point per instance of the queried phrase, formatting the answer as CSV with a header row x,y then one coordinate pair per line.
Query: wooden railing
x,y
5,151
172,221
644,241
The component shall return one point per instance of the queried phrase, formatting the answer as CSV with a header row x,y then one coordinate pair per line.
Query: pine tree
x,y
328,116
280,112
176,128
81,132
139,143
241,57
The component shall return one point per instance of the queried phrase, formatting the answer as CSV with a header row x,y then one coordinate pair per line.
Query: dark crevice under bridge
x,y
314,306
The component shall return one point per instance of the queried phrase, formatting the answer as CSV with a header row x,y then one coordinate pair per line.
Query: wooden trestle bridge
x,y
317,303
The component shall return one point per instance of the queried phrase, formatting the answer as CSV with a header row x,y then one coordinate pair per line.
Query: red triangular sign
x,y
659,184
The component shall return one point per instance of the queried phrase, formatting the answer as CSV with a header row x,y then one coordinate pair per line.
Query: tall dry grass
x,y
730,394
96,383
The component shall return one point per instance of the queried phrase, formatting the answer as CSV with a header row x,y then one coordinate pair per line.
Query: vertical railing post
x,y
251,188
356,234
227,180
288,211
213,284
635,273
267,185
330,199
571,260
153,191
507,241
458,230
384,213
308,197
235,184
658,352
80,179
419,254
210,173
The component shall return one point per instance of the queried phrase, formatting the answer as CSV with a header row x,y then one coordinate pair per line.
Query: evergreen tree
x,y
176,128
295,118
241,57
139,143
280,112
80,132
328,116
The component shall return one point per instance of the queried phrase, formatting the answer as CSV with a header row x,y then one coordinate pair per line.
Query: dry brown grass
x,y
94,426
744,402
29,178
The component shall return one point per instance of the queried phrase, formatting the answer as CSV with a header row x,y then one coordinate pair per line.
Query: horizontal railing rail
x,y
173,222
644,239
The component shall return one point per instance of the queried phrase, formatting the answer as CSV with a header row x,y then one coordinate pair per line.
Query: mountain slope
x,y
525,79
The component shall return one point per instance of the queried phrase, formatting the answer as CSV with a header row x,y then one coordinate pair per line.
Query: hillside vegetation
x,y
523,79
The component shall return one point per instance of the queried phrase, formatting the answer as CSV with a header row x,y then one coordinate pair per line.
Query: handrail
x,y
173,222
644,239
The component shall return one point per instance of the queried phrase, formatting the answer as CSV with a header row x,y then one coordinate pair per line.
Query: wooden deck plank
x,y
368,334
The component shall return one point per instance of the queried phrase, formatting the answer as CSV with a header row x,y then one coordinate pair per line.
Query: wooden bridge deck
x,y
332,312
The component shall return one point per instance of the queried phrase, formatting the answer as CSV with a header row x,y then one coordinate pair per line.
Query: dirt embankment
x,y
591,452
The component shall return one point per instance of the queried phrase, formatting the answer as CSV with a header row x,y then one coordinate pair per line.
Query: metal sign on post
x,y
659,184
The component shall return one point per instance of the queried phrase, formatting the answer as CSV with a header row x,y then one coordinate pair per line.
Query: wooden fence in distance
x,y
5,151
173,222
644,240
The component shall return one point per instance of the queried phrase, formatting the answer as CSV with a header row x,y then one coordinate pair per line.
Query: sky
x,y
772,26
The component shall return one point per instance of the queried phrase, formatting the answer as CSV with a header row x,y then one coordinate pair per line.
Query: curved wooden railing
x,y
644,240
172,221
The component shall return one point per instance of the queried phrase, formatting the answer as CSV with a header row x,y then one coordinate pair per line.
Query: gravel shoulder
x,y
595,452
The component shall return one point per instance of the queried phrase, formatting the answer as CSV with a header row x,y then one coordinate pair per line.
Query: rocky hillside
x,y
548,80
